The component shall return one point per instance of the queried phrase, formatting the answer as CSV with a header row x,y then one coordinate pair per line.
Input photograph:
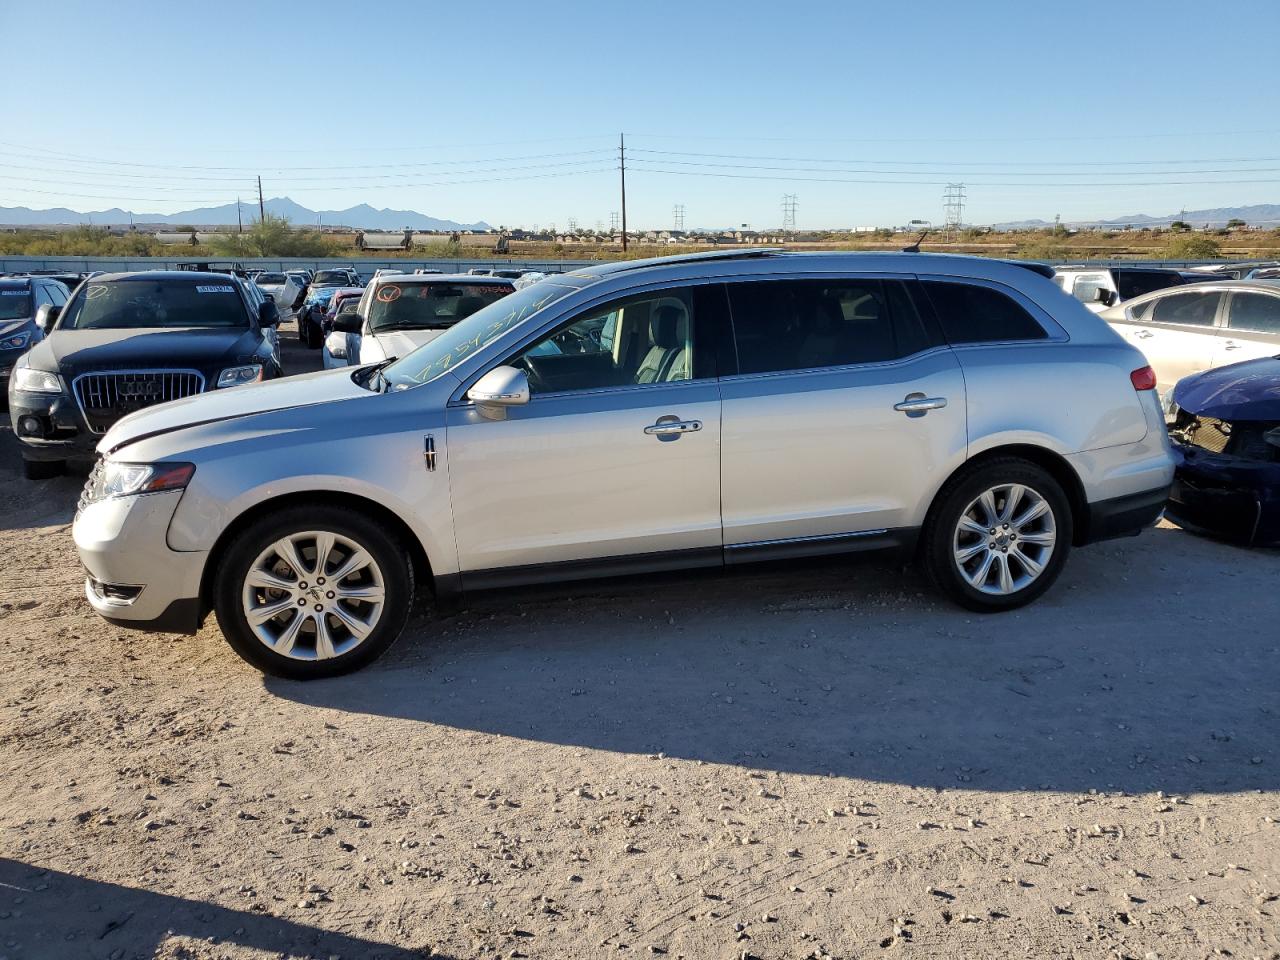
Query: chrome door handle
x,y
1231,345
669,428
917,404
1144,334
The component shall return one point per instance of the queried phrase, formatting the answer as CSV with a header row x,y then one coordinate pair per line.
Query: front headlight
x,y
16,342
35,381
336,344
238,376
112,479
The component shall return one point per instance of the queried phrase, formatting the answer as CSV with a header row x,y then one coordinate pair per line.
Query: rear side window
x,y
969,313
1254,311
804,324
1088,284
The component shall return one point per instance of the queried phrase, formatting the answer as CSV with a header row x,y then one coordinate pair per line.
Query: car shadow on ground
x,y
855,669
53,914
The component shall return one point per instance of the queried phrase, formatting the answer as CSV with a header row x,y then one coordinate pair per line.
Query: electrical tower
x,y
789,203
953,205
677,217
573,224
613,222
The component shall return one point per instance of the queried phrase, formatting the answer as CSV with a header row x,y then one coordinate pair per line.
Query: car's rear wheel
x,y
313,592
998,535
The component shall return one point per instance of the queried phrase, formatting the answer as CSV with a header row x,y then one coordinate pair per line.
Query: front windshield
x,y
467,336
136,304
429,304
15,303
262,278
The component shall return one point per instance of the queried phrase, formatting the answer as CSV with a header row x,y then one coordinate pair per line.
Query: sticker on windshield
x,y
95,291
220,288
388,294
13,293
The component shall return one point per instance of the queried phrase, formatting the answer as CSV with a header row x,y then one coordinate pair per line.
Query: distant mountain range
x,y
361,217
1257,215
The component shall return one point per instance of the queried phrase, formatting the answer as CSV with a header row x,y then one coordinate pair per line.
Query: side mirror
x,y
1104,296
348,321
268,314
47,316
498,389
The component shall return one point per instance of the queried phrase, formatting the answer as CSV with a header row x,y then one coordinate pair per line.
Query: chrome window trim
x,y
75,392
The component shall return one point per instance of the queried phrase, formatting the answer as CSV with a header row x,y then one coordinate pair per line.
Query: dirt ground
x,y
821,760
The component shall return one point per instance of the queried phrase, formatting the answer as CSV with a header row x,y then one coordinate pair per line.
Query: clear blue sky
x,y
395,103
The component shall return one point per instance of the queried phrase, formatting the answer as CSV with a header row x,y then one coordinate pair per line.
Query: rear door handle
x,y
669,428
1144,334
917,404
1231,345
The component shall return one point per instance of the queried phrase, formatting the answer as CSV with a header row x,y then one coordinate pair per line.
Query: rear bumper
x,y
1125,516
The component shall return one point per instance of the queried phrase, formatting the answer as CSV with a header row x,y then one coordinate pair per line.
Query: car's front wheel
x,y
998,535
313,592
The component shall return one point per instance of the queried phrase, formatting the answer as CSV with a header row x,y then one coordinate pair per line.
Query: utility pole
x,y
622,167
239,219
262,209
677,217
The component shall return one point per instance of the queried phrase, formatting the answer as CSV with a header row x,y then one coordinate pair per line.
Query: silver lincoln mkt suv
x,y
699,411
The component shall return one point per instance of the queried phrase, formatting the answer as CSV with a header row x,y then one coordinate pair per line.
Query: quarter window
x,y
649,339
974,314
1254,311
1186,309
806,324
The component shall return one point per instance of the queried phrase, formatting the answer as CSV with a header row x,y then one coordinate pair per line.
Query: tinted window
x,y
803,324
270,278
1254,311
433,305
1134,283
15,303
138,304
59,294
973,314
649,339
1193,309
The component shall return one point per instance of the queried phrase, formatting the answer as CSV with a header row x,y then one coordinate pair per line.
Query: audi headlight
x,y
112,479
36,381
238,376
18,341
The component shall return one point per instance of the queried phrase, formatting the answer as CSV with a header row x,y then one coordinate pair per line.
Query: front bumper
x,y
1225,496
65,437
135,579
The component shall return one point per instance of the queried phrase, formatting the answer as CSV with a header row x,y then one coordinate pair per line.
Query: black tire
x,y
43,469
386,549
937,551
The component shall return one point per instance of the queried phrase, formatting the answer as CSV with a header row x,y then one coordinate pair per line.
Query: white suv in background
x,y
700,411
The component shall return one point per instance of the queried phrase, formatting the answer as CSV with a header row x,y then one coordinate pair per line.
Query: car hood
x,y
195,348
398,343
1240,391
230,403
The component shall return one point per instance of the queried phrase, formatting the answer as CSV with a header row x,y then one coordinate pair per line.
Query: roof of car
x,y
165,275
1202,286
443,277
15,281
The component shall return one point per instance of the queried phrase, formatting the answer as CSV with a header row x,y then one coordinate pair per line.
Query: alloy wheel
x,y
1004,539
313,595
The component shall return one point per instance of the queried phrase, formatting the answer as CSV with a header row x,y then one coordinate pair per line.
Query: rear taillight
x,y
1144,378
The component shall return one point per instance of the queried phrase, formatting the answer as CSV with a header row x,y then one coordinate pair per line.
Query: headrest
x,y
668,327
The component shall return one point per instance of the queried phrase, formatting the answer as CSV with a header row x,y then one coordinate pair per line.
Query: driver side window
x,y
646,339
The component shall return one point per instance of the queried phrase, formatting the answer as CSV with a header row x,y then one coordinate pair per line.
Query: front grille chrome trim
x,y
103,390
